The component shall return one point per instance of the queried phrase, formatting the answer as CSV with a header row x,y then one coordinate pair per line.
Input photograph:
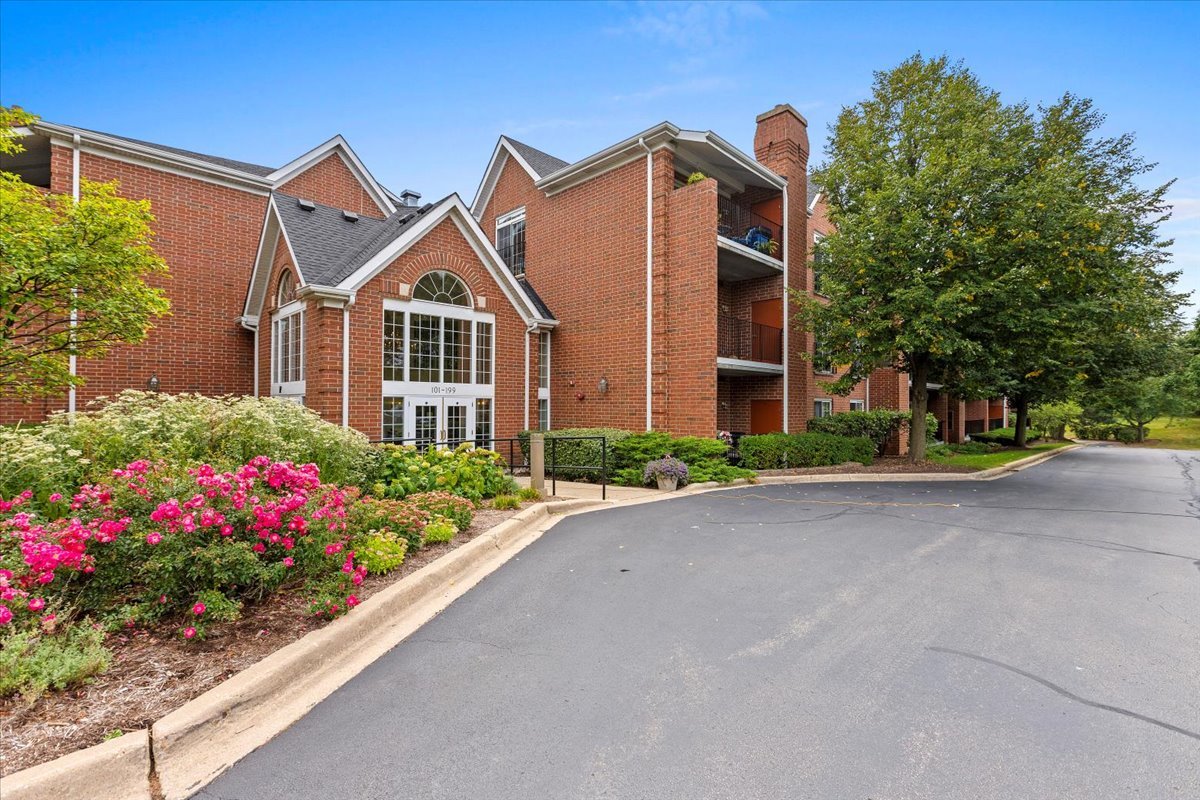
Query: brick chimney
x,y
781,145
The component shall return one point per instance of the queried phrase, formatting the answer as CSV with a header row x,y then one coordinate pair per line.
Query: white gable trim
x,y
340,146
504,150
273,232
453,208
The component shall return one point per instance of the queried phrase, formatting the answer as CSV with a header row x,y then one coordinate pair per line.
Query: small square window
x,y
858,405
822,408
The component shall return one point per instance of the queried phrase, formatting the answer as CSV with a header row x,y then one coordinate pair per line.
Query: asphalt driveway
x,y
1032,637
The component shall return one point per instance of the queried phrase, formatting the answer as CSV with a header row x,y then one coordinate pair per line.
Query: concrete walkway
x,y
571,490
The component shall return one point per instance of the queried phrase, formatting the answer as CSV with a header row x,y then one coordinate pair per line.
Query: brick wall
x,y
330,182
585,254
443,248
208,235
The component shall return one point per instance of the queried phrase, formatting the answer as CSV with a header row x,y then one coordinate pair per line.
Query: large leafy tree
x,y
1074,292
73,276
914,178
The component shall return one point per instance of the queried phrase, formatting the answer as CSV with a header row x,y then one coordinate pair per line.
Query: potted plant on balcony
x,y
768,246
696,177
669,472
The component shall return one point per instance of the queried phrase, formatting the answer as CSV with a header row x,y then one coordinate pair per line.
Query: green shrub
x,y
1006,437
468,471
786,450
878,426
506,501
1051,420
586,453
1099,431
380,552
706,458
188,429
29,462
966,449
440,530
458,510
32,662
529,493
1126,434
398,519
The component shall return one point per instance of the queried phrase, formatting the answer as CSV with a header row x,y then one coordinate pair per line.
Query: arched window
x,y
440,286
287,289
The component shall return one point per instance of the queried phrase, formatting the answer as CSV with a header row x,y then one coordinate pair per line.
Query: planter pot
x,y
666,484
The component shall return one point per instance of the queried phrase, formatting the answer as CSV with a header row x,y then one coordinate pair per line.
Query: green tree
x,y
1074,291
73,276
914,178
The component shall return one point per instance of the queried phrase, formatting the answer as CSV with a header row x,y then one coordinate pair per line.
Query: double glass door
x,y
437,420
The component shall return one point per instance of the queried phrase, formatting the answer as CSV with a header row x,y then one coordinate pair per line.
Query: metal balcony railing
x,y
748,341
738,223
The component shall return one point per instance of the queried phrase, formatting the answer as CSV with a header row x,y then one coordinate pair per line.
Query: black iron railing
x,y
738,223
748,341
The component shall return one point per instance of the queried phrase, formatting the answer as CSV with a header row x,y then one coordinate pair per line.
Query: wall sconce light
x,y
602,387
152,384
580,396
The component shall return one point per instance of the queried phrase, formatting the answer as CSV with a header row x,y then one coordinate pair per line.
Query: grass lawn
x,y
1178,433
1000,457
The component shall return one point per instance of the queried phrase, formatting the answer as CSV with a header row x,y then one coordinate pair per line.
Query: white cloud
x,y
695,26
687,86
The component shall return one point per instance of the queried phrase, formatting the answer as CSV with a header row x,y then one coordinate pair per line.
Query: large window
x,y
544,380
287,350
822,408
444,287
818,263
425,348
483,352
393,419
510,240
822,360
393,345
483,422
456,349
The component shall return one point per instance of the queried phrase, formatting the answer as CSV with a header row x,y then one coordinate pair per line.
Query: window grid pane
x,y
393,419
393,345
424,347
456,424
426,424
483,422
456,350
483,353
544,414
544,361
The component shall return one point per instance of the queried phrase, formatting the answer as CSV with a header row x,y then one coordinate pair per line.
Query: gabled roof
x,y
333,252
336,145
814,191
543,163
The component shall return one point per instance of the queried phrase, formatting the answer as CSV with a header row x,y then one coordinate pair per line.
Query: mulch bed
x,y
154,671
882,466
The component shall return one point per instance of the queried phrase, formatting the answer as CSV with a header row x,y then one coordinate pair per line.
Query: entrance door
x,y
766,416
448,420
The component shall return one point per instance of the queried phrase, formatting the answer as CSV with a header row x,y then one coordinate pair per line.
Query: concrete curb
x,y
197,742
118,769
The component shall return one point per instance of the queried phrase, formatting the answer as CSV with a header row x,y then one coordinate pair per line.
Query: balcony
x,y
749,245
748,348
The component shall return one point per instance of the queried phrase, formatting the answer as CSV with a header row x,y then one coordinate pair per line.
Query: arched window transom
x,y
286,292
440,286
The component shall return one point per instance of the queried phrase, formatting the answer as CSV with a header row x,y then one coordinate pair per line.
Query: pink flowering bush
x,y
194,545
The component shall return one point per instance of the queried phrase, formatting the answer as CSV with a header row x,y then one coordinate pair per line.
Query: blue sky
x,y
422,90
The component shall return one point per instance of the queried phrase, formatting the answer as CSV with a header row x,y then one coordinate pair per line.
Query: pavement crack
x,y
1054,687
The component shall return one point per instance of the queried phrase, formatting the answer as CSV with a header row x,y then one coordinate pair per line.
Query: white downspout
x,y
786,326
649,283
71,360
345,365
256,360
867,404
528,331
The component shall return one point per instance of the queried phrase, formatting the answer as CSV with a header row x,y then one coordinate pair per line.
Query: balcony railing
x,y
738,223
748,341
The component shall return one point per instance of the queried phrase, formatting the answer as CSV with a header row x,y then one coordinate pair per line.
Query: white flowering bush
x,y
192,429
30,463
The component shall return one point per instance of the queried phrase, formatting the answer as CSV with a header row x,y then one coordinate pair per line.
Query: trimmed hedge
x,y
579,453
707,459
786,450
878,426
1005,437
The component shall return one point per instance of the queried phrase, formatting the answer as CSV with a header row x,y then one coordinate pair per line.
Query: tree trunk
x,y
918,401
1022,421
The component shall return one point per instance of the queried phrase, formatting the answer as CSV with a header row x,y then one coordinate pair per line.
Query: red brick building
x,y
312,282
668,259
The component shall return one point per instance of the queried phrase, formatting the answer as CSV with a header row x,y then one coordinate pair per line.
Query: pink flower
x,y
154,537
37,604
289,561
357,579
259,548
352,601
198,609
333,549
188,633
54,498
49,618
162,598
227,530
5,615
